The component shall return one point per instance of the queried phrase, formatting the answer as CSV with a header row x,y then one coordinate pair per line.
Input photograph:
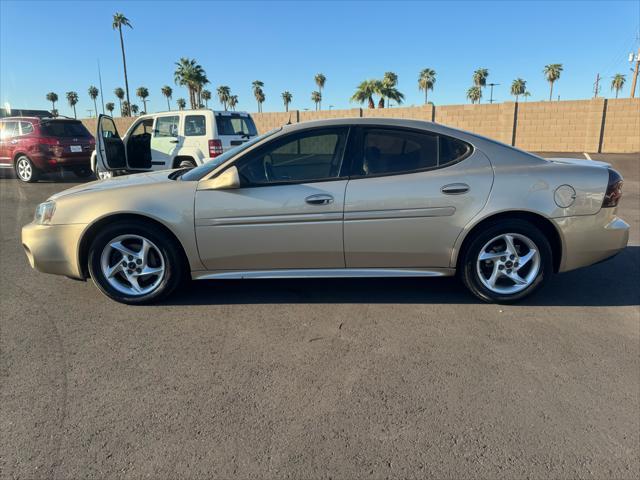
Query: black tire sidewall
x,y
34,170
468,265
174,264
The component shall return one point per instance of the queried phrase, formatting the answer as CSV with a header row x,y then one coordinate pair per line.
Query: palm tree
x,y
181,102
385,91
518,87
126,110
191,75
426,81
167,91
526,94
206,96
53,98
389,81
316,97
286,98
120,94
320,80
480,79
93,94
224,93
364,93
119,21
233,101
552,73
134,109
110,106
257,85
72,98
142,93
618,82
54,113
260,97
474,94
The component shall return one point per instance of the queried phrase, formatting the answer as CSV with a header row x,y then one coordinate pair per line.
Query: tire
x,y
25,170
164,253
501,276
83,172
104,175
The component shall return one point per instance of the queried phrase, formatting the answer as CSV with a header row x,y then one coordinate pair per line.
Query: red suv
x,y
33,146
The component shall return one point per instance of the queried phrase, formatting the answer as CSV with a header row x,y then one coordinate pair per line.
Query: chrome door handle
x,y
174,141
13,142
319,199
455,189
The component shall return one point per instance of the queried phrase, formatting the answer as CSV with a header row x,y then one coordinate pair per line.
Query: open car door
x,y
110,150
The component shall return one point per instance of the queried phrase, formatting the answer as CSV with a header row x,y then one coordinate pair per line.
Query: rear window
x,y
64,129
235,125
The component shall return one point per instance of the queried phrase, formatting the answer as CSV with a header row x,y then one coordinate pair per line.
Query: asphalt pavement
x,y
342,379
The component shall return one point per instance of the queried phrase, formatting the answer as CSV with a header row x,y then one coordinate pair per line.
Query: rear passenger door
x,y
410,195
165,141
8,142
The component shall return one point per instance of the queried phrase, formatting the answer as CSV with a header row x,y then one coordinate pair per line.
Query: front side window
x,y
166,127
143,128
26,128
195,126
301,157
108,128
8,129
388,152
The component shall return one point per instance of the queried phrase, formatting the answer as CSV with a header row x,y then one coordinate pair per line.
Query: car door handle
x,y
319,199
455,189
174,141
13,142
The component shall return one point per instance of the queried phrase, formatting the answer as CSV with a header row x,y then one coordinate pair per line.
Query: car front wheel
x,y
135,263
26,170
506,261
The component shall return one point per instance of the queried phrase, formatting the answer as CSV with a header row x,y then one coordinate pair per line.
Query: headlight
x,y
44,213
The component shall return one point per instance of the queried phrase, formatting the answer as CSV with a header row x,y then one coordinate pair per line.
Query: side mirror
x,y
227,180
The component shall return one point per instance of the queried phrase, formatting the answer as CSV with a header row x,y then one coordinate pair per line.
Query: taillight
x,y
614,190
50,145
215,148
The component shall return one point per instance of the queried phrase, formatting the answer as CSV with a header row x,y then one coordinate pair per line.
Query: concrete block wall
x,y
597,125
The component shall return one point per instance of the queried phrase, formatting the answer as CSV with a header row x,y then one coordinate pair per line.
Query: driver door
x,y
110,149
287,212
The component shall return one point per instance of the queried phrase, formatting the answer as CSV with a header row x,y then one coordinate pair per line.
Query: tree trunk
x,y
168,105
516,98
74,112
120,102
95,106
381,102
617,90
426,96
124,63
53,104
286,107
371,104
550,90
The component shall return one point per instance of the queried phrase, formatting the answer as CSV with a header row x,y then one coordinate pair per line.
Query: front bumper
x,y
54,248
589,239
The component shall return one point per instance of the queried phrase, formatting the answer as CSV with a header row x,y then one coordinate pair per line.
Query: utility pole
x,y
596,87
491,94
635,73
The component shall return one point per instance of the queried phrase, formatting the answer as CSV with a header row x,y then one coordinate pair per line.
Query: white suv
x,y
184,138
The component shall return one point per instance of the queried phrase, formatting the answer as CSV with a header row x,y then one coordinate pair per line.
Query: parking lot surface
x,y
362,378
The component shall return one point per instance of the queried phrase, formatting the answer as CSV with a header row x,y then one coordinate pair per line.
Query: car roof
x,y
39,119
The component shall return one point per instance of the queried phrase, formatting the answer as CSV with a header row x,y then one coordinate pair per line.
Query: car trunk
x,y
72,139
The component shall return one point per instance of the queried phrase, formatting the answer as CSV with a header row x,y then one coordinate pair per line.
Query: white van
x,y
184,138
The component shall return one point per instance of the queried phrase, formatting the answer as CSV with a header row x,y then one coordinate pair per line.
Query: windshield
x,y
208,167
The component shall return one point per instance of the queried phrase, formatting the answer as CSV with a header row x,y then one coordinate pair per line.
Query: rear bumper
x,y
53,248
48,163
590,239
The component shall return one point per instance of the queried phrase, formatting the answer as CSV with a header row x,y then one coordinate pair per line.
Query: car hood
x,y
117,182
579,161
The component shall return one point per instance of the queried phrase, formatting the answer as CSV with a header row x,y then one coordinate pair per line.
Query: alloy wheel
x,y
24,169
508,263
132,265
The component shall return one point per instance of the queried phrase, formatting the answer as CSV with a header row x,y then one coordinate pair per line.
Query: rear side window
x,y
26,128
195,126
235,125
388,152
166,127
8,129
64,129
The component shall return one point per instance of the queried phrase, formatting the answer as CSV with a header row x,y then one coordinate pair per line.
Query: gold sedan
x,y
335,198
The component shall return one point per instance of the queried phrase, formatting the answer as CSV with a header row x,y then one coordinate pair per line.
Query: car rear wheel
x,y
135,263
25,170
506,261
82,172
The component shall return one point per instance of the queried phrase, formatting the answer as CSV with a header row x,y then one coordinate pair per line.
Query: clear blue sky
x,y
54,46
